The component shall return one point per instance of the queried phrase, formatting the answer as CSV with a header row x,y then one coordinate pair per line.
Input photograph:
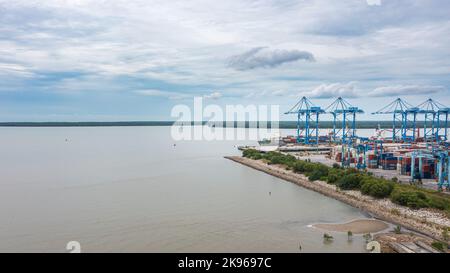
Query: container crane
x,y
429,109
344,120
307,121
442,124
436,120
398,109
442,164
410,124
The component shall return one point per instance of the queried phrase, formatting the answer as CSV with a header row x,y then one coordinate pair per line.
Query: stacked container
x,y
399,164
338,157
428,168
406,166
372,163
388,161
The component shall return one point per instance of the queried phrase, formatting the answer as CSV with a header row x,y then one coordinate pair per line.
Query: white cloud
x,y
162,94
334,90
279,93
350,90
405,90
373,2
176,95
15,70
119,37
213,96
186,44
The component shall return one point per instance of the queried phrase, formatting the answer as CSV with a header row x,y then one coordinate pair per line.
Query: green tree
x,y
349,182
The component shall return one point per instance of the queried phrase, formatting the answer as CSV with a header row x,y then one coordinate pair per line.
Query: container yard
x,y
410,154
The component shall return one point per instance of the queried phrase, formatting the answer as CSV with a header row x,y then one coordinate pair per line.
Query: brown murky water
x,y
128,189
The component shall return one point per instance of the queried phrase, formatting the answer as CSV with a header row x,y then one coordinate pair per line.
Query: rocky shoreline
x,y
424,221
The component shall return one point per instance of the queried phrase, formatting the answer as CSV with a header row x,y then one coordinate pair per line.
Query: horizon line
x,y
285,124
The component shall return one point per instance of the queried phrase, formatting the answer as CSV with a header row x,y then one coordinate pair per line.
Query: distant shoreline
x,y
282,124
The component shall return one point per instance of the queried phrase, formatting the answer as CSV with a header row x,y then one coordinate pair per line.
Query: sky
x,y
124,60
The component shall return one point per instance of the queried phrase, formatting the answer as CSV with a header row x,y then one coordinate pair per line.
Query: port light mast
x,y
344,120
307,121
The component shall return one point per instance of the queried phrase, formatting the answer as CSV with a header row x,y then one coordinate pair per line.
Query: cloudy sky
x,y
78,60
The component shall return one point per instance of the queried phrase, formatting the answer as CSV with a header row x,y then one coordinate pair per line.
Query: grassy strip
x,y
352,179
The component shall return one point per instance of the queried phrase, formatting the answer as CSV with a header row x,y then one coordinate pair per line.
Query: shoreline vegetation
x,y
423,211
383,124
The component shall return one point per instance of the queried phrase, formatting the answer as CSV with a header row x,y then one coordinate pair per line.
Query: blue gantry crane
x,y
443,170
307,121
410,124
441,122
435,120
399,109
442,166
429,109
344,120
361,151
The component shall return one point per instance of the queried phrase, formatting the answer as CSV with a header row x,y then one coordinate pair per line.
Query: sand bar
x,y
356,227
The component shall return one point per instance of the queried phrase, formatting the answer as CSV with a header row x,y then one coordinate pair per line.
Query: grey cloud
x,y
405,90
261,57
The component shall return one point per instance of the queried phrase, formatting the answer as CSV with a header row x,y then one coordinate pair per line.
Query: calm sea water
x,y
129,189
